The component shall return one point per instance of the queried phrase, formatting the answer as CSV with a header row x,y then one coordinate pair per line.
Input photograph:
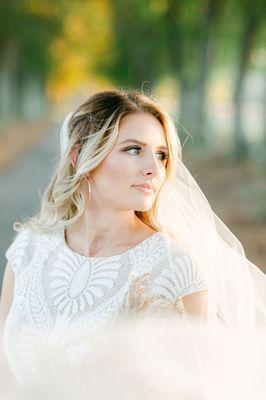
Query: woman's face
x,y
132,163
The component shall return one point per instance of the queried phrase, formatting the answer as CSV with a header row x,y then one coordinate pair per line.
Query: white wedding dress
x,y
60,290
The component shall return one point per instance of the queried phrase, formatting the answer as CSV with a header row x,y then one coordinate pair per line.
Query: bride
x,y
123,231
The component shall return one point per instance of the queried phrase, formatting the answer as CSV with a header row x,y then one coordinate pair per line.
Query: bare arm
x,y
196,304
5,305
7,294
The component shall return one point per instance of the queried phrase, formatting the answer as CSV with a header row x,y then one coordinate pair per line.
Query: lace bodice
x,y
56,287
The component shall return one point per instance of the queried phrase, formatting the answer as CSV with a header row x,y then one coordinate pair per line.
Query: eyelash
x,y
165,156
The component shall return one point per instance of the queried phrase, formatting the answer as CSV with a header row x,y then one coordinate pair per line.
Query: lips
x,y
145,186
145,189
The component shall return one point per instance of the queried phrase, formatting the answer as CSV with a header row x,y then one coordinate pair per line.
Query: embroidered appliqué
x,y
141,301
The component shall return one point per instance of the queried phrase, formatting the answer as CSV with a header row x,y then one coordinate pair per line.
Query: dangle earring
x,y
89,187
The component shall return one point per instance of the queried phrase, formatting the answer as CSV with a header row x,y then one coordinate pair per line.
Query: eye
x,y
134,148
164,155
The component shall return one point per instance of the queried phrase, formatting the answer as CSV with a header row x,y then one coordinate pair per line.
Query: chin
x,y
146,207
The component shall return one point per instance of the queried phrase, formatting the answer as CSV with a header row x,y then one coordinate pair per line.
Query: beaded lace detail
x,y
56,287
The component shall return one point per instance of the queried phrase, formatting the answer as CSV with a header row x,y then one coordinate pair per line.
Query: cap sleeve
x,y
16,251
187,275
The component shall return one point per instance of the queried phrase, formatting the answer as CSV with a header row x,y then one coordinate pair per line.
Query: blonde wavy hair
x,y
94,126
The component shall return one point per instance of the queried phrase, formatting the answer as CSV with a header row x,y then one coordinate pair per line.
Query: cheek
x,y
113,172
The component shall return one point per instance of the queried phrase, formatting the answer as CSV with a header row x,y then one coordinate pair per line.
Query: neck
x,y
95,231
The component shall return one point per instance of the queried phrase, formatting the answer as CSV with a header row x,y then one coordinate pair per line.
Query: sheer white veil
x,y
237,287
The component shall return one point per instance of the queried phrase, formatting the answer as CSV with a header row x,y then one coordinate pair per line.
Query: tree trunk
x,y
205,59
8,96
240,145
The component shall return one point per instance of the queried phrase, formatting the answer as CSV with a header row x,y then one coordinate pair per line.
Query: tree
x,y
27,29
252,15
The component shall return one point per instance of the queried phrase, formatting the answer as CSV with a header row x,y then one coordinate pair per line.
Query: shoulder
x,y
19,241
183,270
17,249
24,245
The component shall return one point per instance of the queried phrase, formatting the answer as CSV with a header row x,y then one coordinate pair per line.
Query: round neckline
x,y
132,249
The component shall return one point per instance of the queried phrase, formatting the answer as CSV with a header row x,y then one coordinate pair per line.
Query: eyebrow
x,y
144,144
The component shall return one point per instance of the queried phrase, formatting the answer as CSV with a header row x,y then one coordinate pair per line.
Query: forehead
x,y
142,126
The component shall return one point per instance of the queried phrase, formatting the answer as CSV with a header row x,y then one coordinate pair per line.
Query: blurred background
x,y
203,60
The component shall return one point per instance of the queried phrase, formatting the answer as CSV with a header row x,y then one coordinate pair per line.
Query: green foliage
x,y
30,27
139,43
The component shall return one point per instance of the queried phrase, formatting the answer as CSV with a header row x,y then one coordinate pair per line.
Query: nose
x,y
153,166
